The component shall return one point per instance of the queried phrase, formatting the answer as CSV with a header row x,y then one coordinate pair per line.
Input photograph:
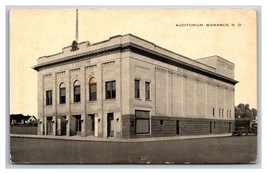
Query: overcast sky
x,y
35,33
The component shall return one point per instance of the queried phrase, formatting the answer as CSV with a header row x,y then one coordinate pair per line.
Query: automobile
x,y
254,128
240,131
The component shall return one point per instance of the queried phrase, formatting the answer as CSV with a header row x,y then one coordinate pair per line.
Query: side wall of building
x,y
181,103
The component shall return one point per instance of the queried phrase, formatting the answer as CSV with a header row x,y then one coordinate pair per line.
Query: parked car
x,y
240,131
254,128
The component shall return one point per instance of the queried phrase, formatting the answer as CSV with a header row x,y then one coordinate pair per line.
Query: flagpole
x,y
77,25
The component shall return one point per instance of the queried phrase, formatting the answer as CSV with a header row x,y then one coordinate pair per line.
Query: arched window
x,y
92,89
77,91
62,93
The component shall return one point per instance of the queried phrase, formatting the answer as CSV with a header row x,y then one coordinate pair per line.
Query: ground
x,y
236,149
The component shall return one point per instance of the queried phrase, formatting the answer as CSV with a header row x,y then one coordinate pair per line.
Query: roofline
x,y
190,66
132,46
129,34
74,57
169,50
142,50
217,57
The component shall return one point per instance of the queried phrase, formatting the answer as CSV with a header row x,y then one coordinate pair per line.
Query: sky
x,y
34,33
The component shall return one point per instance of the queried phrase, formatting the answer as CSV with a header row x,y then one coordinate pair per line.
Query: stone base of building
x,y
135,126
162,126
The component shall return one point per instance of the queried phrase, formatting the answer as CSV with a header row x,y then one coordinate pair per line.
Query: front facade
x,y
127,87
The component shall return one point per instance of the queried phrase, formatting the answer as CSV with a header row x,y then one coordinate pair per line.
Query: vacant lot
x,y
207,150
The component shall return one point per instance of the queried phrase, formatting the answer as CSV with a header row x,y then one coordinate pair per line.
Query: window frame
x,y
76,97
92,95
147,90
137,83
49,97
110,94
62,98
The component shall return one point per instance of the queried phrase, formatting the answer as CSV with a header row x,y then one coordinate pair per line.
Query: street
x,y
220,150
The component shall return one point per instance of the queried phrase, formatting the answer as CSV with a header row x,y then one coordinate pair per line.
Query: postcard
x,y
133,86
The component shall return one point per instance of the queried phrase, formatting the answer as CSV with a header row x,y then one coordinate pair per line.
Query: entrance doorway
x,y
110,125
49,126
177,127
91,124
211,128
78,125
63,125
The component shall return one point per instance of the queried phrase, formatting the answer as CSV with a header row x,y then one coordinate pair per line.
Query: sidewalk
x,y
95,139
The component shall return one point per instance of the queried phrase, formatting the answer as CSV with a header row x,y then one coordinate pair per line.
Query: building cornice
x,y
138,50
167,59
78,57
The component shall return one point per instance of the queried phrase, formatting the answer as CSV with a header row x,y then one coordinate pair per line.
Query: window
x,y
213,112
62,94
132,123
111,90
49,97
147,90
222,112
137,88
161,122
230,113
142,122
219,112
227,113
77,91
92,90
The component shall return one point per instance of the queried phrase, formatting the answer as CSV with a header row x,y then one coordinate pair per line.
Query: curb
x,y
93,139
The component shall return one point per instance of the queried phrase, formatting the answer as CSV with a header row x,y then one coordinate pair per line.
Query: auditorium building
x,y
128,87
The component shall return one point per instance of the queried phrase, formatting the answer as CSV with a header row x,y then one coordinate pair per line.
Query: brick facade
x,y
167,126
